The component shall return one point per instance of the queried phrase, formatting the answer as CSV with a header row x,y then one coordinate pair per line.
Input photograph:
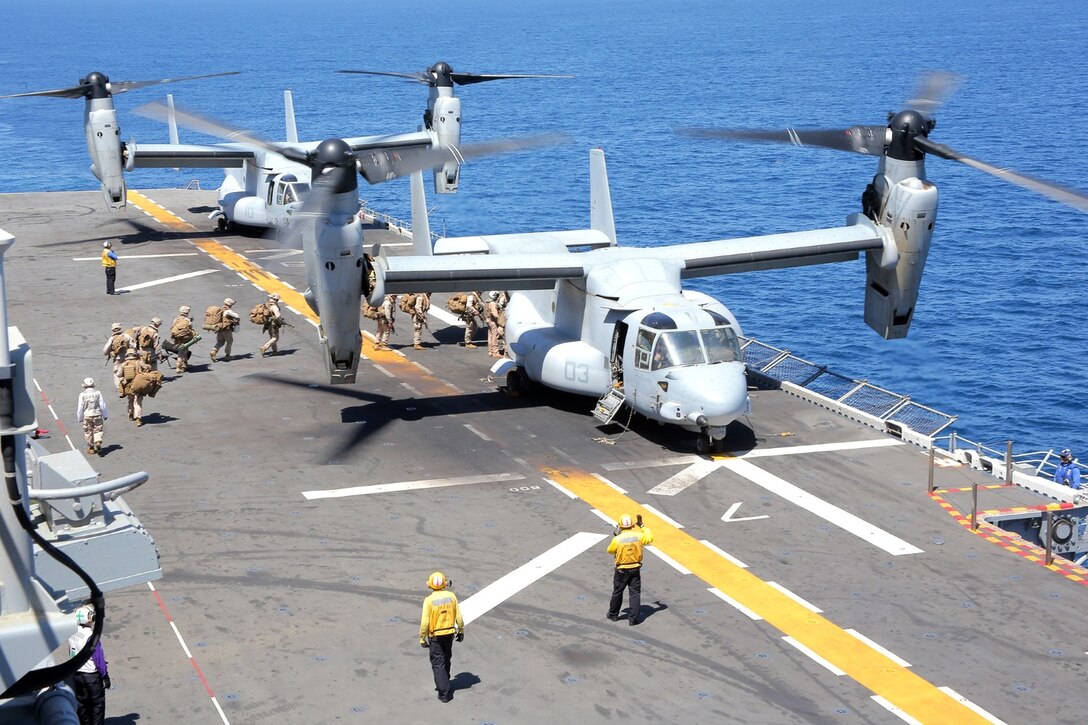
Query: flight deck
x,y
806,576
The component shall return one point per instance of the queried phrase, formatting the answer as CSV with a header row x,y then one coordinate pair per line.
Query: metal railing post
x,y
952,442
974,506
1008,462
932,454
1049,538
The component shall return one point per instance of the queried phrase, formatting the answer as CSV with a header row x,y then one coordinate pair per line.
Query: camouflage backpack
x,y
458,303
213,318
407,303
369,311
260,314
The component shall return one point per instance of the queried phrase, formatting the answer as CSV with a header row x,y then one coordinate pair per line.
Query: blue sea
x,y
999,334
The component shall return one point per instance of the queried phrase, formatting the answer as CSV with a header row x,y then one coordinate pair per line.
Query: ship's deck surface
x,y
306,610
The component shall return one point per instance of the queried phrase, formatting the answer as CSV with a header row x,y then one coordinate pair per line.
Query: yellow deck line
x,y
256,275
872,669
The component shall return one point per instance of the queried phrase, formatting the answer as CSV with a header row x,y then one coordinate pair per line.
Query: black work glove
x,y
106,682
460,637
423,643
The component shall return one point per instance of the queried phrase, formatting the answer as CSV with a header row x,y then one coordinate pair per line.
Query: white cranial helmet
x,y
88,382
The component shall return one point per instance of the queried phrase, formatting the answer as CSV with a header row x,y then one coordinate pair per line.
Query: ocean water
x,y
999,334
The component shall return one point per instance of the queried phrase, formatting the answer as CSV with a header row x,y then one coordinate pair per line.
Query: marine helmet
x,y
131,355
184,309
627,521
274,297
493,294
85,615
156,321
1066,455
88,382
229,302
116,327
107,245
437,581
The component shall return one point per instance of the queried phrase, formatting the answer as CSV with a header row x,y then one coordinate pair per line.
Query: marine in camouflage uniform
x,y
181,332
115,348
495,331
224,336
91,413
386,317
419,318
472,311
132,365
151,352
272,327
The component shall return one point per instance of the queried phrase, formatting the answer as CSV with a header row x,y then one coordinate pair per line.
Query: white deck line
x,y
563,490
735,604
668,560
882,650
608,483
827,511
446,317
382,370
167,280
652,463
139,256
806,604
685,478
814,657
472,429
971,706
507,586
662,516
895,710
600,514
822,448
411,485
724,554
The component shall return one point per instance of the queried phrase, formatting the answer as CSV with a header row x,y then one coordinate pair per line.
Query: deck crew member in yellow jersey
x,y
109,265
626,546
441,622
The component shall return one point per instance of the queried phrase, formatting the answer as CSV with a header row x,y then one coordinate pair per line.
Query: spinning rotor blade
x,y
905,137
84,88
464,79
377,165
203,124
932,90
1063,194
441,74
421,77
869,140
122,86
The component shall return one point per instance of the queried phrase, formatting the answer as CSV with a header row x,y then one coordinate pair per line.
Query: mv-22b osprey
x,y
616,323
262,187
326,224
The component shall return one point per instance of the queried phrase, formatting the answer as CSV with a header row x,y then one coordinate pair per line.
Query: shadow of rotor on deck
x,y
143,233
378,411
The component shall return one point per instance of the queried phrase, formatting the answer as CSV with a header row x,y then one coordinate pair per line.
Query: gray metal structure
x,y
65,539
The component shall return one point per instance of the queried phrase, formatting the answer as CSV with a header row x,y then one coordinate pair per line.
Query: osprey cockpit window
x,y
721,344
676,349
295,192
644,343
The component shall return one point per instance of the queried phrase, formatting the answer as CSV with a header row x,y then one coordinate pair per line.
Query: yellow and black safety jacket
x,y
627,547
109,259
441,615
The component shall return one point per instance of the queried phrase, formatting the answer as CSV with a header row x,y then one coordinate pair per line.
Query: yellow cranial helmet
x,y
627,521
437,581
